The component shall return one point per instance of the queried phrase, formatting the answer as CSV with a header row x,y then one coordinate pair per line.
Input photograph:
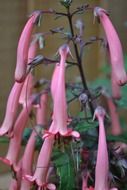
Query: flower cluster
x,y
59,128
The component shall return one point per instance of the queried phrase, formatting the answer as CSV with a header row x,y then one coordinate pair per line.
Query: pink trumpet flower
x,y
27,160
115,47
15,141
102,164
23,47
11,109
59,123
28,84
116,128
43,162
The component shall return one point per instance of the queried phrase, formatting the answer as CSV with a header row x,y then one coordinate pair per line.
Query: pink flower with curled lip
x,y
115,47
42,167
102,163
11,109
116,128
15,141
23,47
60,117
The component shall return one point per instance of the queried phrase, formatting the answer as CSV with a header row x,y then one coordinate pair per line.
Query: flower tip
x,y
75,134
51,186
5,161
64,50
28,178
98,11
99,112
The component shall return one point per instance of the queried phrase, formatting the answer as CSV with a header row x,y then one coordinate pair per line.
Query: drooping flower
x,y
27,159
59,123
115,47
43,164
102,163
28,83
11,109
15,141
23,47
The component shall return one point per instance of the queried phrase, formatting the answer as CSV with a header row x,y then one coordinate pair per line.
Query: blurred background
x,y
13,16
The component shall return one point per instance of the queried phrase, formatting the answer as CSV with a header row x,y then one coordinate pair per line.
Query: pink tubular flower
x,y
102,164
41,172
115,48
11,109
116,128
15,141
27,160
23,47
59,123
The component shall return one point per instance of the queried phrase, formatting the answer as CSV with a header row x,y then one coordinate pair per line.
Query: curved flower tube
x,y
41,172
28,84
11,109
23,47
27,160
59,123
115,47
15,141
102,164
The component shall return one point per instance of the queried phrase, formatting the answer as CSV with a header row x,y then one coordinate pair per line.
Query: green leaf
x,y
65,170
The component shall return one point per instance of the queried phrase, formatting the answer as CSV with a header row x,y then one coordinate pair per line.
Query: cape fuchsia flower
x,y
15,141
102,163
11,109
27,160
43,163
28,84
23,47
116,128
59,123
28,157
115,47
